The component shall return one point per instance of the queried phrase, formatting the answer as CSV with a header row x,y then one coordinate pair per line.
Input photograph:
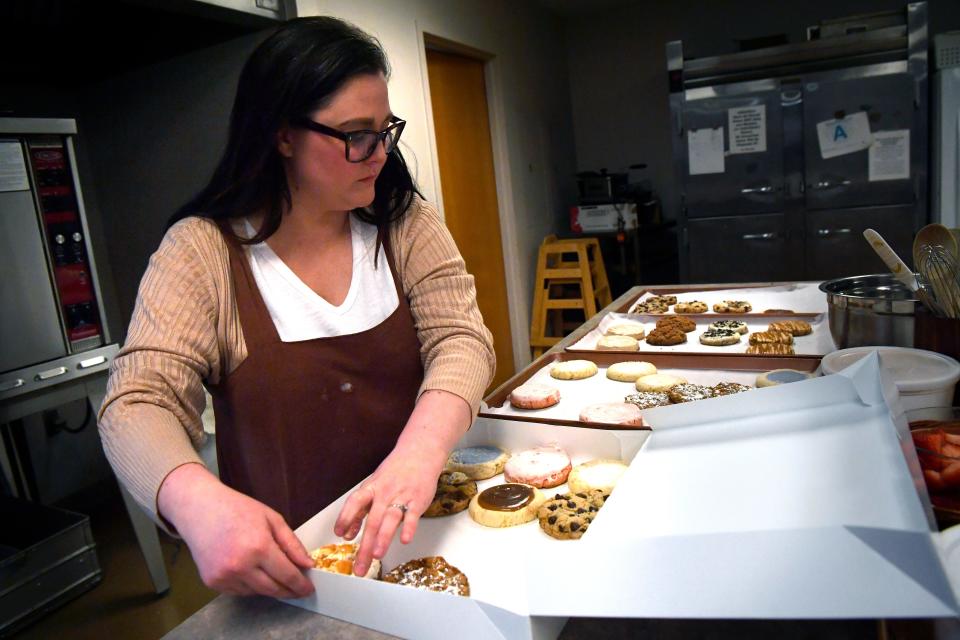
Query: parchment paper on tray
x,y
818,343
799,298
576,394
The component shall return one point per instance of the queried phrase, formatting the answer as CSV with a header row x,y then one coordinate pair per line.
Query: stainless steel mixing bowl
x,y
870,310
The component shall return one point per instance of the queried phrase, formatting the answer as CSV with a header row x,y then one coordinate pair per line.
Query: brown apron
x,y
300,423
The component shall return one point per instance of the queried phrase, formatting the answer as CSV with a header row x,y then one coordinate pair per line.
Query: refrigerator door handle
x,y
825,233
763,189
769,235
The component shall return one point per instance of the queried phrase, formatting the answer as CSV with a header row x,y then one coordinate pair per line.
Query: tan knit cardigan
x,y
186,332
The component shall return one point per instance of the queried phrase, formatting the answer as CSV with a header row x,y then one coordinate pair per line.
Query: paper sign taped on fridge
x,y
889,156
748,129
705,147
844,135
13,168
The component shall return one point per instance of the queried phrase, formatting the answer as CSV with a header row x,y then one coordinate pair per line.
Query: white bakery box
x,y
802,501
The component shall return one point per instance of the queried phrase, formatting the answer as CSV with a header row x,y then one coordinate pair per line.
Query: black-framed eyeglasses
x,y
359,145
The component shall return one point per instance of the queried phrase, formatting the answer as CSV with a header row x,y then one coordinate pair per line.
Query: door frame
x,y
516,301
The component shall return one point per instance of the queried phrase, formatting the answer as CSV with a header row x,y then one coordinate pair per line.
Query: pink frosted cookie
x,y
542,467
534,396
625,413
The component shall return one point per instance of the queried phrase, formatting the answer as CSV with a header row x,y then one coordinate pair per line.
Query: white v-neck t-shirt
x,y
300,314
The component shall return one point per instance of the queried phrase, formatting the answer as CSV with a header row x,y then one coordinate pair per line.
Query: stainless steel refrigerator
x,y
945,186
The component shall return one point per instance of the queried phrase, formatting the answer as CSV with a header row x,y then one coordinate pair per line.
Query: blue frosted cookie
x,y
781,376
478,463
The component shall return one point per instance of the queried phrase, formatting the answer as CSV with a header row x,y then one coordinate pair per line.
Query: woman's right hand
x,y
240,546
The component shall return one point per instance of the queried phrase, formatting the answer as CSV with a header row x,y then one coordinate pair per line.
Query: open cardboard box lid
x,y
799,501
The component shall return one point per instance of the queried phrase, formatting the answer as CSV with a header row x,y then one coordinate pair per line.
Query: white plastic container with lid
x,y
924,379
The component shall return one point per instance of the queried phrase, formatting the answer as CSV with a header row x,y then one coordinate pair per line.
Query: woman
x,y
323,304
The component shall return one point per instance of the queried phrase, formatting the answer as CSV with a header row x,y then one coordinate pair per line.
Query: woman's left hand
x,y
404,484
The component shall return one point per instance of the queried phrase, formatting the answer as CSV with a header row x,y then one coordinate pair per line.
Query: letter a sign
x,y
844,135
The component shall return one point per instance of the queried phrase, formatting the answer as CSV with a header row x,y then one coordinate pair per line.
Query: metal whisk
x,y
940,269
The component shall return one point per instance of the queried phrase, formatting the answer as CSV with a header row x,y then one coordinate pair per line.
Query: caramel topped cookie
x,y
793,327
687,392
770,349
771,337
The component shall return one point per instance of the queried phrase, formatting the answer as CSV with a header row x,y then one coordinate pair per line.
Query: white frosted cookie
x,y
732,325
573,370
478,463
506,505
634,330
595,474
532,395
719,337
618,343
781,376
629,371
622,413
658,382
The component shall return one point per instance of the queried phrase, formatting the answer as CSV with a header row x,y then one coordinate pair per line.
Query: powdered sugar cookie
x,y
629,371
533,395
622,413
618,343
542,467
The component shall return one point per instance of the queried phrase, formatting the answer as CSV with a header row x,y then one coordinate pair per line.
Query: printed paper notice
x,y
748,129
846,135
706,151
13,170
890,156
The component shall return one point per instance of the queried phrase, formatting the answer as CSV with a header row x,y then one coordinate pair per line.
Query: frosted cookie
x,y
533,395
733,306
633,330
542,467
454,490
793,327
432,573
648,399
601,475
478,463
666,336
688,392
573,370
771,337
781,376
770,349
719,337
729,388
694,306
629,371
338,558
729,325
677,322
618,343
658,382
567,515
506,505
621,413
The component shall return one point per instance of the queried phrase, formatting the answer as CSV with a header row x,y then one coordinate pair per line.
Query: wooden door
x,y
461,123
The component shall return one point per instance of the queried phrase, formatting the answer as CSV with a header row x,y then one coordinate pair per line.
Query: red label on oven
x,y
83,331
73,283
48,158
57,191
59,217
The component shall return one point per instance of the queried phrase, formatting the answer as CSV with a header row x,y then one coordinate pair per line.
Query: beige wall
x,y
529,100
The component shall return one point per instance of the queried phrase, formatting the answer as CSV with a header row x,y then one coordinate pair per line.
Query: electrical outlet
x,y
269,5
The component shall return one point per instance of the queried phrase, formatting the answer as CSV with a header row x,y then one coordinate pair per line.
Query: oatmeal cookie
x,y
432,573
687,392
678,322
666,336
648,399
729,388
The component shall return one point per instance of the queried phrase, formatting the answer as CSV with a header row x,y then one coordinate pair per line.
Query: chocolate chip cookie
x,y
454,490
695,306
733,306
567,515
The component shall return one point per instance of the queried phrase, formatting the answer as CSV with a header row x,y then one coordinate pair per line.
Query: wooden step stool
x,y
570,276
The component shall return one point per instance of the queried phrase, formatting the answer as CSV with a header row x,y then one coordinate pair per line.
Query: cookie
x,y
719,337
694,306
650,305
630,370
541,467
573,370
648,399
432,573
619,413
595,475
793,327
729,325
478,463
338,558
687,392
658,382
781,376
668,300
666,336
454,491
679,322
567,516
729,388
533,395
779,312
506,505
771,337
733,306
770,349
618,343
634,330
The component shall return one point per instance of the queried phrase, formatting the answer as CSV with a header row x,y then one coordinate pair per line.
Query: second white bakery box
x,y
798,501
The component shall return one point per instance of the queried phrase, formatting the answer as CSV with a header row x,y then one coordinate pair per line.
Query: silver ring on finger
x,y
403,508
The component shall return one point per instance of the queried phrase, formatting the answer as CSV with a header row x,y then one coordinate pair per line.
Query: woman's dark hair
x,y
291,74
